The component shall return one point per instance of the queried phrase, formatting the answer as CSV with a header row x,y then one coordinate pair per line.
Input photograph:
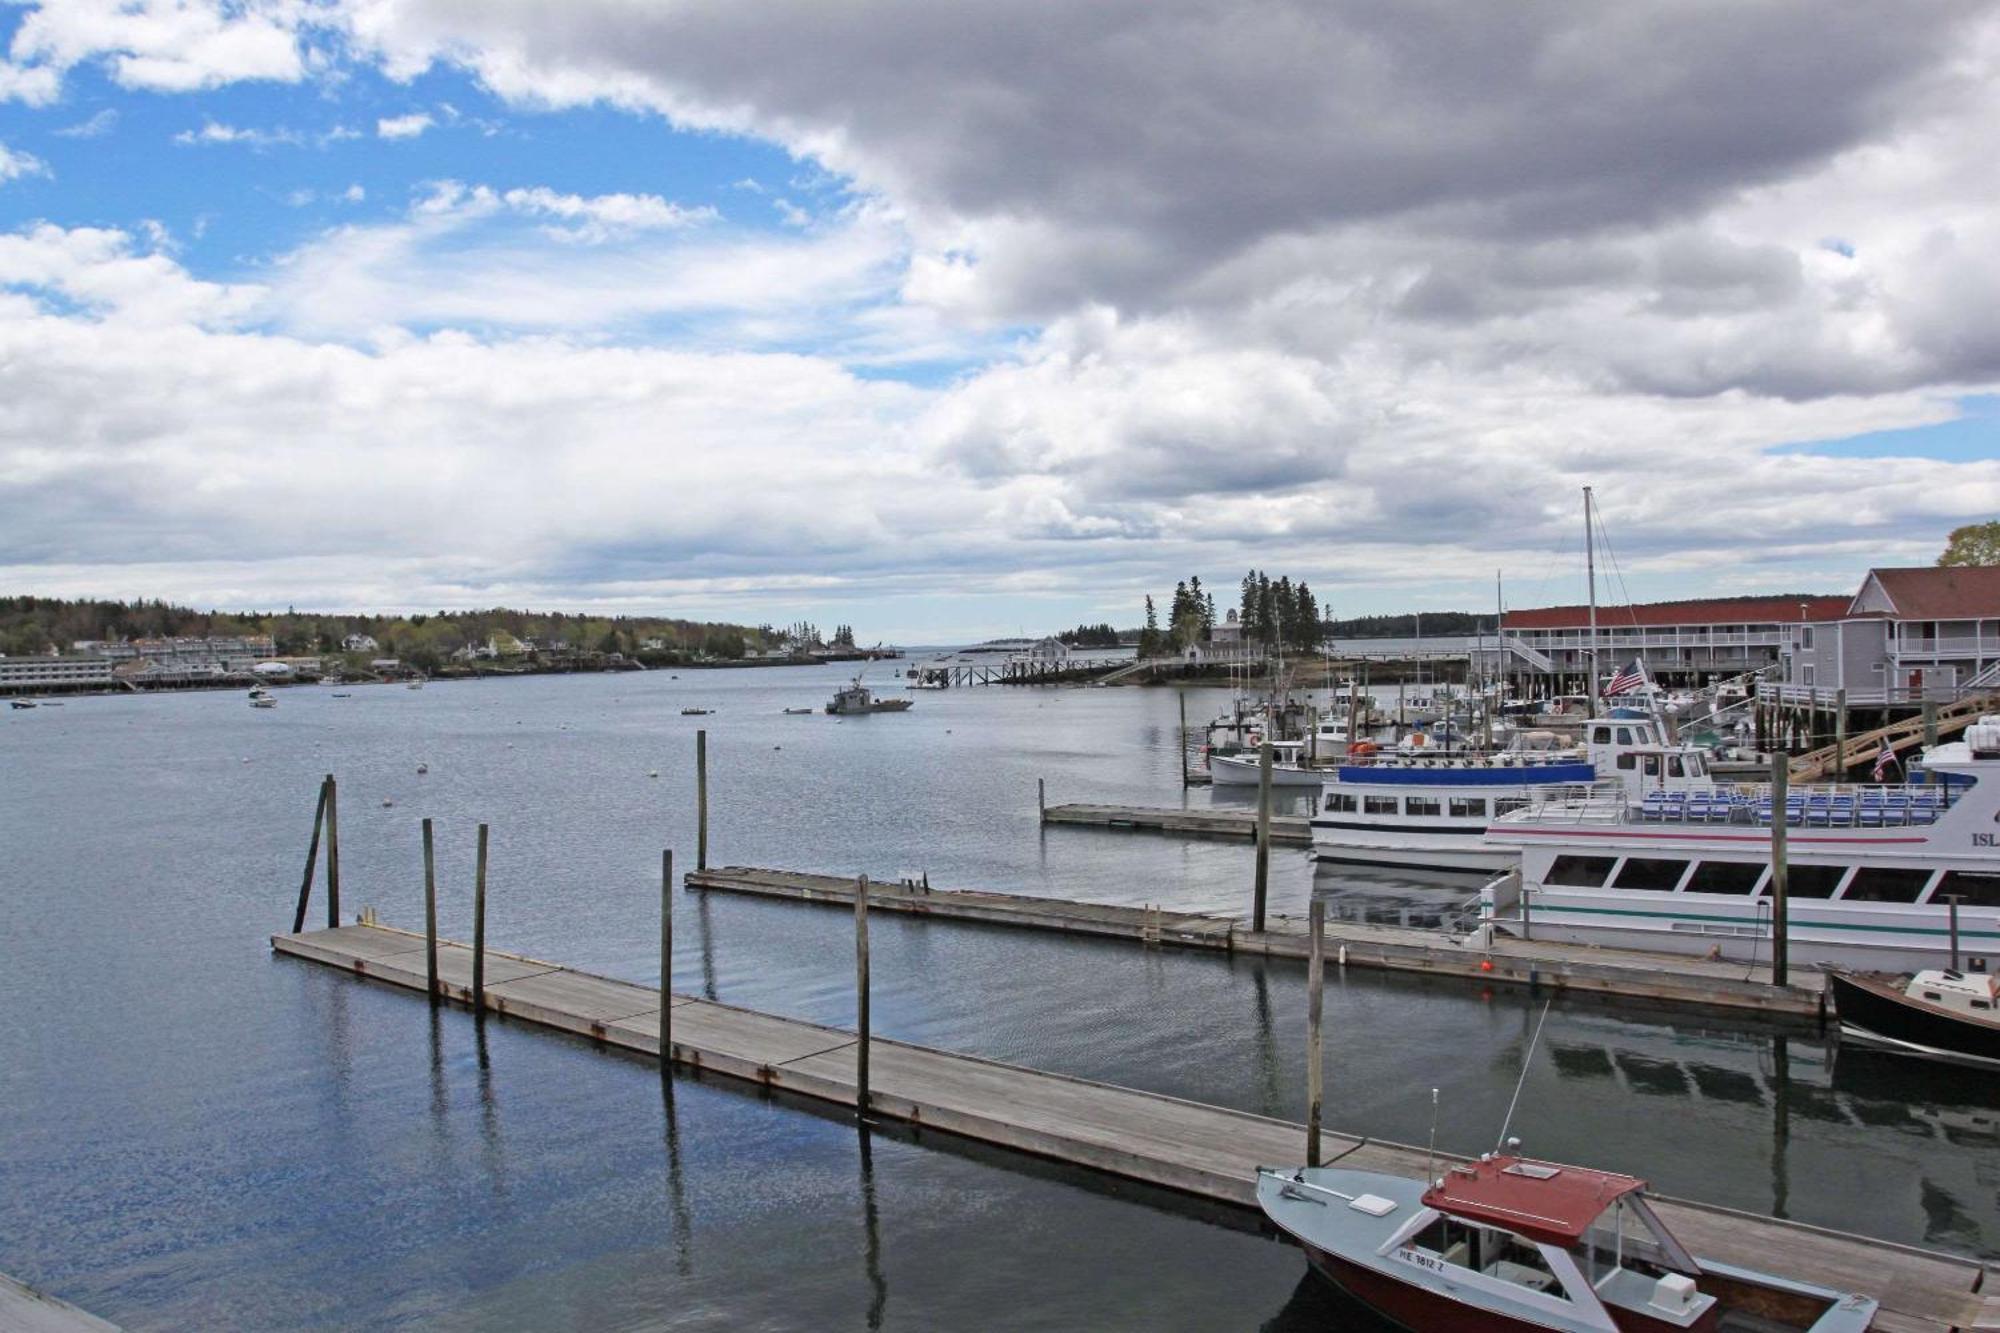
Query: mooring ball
x,y
1486,965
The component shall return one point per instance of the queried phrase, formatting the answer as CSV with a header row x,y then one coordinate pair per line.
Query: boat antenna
x,y
1526,1063
1430,1153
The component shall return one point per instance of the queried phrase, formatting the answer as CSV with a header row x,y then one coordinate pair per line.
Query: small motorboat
x,y
795,712
1508,1243
342,694
416,684
1943,1012
22,703
262,698
696,712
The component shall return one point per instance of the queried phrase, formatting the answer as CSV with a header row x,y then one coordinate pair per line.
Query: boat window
x,y
1581,872
1976,888
1378,805
1469,807
1933,995
1652,765
1696,768
1643,872
1982,1004
1885,884
1601,735
1628,761
1724,877
1674,768
1624,735
1340,803
1504,805
1813,881
1449,1239
1421,805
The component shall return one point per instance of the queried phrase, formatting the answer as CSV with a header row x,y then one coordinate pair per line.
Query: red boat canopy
x,y
1540,1200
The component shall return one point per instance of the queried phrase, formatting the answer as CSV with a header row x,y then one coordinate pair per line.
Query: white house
x,y
360,643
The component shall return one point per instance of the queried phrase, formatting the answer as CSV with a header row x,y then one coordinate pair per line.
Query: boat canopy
x,y
1542,1201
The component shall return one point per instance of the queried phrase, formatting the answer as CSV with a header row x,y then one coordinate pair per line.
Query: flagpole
x,y
1590,570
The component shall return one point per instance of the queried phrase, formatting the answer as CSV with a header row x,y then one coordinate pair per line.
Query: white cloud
x,y
96,127
213,133
404,127
353,194
15,164
601,217
158,45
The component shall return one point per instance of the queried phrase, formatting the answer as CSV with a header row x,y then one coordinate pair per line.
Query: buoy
x,y
386,803
652,772
777,747
423,768
1486,965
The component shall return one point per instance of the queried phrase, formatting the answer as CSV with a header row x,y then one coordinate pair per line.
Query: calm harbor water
x,y
194,1133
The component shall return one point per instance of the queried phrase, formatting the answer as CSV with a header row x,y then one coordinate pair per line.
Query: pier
x,y
1286,830
1208,1151
1668,979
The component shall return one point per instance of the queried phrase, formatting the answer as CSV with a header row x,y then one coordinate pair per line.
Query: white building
x,y
21,675
360,643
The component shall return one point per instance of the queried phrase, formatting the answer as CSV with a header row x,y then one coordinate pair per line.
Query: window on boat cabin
x,y
1339,803
1628,761
1624,735
1813,881
1885,884
1579,872
1495,1253
1468,807
1421,805
1650,763
1600,735
1378,805
1675,769
1975,888
1645,872
1724,877
1506,805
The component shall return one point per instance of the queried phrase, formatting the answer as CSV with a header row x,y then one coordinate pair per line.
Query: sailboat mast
x,y
1590,568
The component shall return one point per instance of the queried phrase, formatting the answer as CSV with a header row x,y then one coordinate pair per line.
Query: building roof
x,y
1940,592
1709,611
1540,1200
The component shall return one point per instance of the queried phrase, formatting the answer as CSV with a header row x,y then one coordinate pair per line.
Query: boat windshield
x,y
1627,1237
1489,1251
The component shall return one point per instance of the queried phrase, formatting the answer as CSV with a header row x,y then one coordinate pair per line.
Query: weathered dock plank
x,y
1286,830
26,1310
1659,978
1208,1151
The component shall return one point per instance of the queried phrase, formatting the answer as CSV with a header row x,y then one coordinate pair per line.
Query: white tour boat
x,y
1431,811
1872,868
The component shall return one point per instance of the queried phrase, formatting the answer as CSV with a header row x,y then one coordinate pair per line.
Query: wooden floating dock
x,y
1209,1151
1286,830
1658,978
26,1310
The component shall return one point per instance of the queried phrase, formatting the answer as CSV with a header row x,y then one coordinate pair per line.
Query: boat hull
x,y
1412,850
1231,771
1870,1010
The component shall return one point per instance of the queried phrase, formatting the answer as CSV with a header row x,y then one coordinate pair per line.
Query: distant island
x,y
168,640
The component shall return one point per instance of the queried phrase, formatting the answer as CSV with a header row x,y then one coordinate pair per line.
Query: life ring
x,y
1363,747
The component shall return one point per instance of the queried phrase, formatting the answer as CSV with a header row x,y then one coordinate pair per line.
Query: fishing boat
x,y
1872,868
858,698
22,703
1241,766
1429,807
1510,1243
262,698
1938,1012
696,712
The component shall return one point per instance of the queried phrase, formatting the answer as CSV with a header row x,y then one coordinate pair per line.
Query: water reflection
x,y
878,1287
680,1221
492,1148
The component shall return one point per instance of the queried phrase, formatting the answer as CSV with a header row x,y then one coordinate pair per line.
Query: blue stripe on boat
x,y
1527,775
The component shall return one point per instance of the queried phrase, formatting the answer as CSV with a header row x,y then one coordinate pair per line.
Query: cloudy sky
x,y
963,319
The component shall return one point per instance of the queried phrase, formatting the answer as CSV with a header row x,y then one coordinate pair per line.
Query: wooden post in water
x,y
1840,735
666,962
701,799
1263,835
479,927
1315,1001
332,853
430,916
1181,736
1781,772
861,996
1042,799
312,860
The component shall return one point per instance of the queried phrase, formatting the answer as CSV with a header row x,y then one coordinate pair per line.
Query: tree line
x,y
1269,614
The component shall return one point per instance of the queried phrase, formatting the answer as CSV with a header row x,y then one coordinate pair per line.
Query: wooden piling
x,y
1840,735
479,927
332,852
1263,835
1315,1005
1042,795
430,914
1781,772
701,799
861,997
666,962
312,861
1181,736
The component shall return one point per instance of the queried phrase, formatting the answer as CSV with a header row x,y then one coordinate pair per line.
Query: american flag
x,y
1629,678
1884,760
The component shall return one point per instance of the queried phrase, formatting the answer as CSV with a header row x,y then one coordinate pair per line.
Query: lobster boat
x,y
1939,1012
1510,1244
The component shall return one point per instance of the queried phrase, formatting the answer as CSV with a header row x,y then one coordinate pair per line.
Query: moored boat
x,y
858,698
1939,1012
1241,767
1508,1243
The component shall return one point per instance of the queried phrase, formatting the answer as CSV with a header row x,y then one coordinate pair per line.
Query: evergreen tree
x,y
1149,637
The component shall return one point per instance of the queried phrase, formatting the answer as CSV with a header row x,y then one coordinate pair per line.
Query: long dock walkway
x,y
1208,1151
1661,978
1286,830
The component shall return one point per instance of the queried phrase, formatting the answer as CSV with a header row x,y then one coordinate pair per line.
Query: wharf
x,y
1655,977
1286,830
1209,1151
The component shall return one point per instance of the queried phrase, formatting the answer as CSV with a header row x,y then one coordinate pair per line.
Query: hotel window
x,y
1806,638
1468,807
1579,872
1885,884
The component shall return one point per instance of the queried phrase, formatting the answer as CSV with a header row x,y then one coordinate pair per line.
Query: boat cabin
x,y
1974,996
